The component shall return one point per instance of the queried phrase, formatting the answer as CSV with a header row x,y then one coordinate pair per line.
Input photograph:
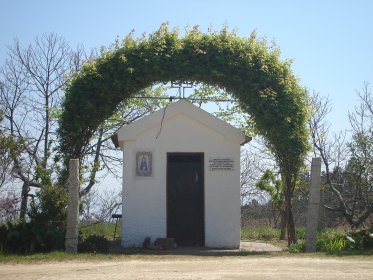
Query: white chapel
x,y
181,178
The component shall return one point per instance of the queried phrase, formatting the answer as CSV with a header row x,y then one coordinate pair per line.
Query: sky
x,y
329,41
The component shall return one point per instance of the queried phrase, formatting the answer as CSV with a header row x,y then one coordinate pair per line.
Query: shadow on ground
x,y
246,248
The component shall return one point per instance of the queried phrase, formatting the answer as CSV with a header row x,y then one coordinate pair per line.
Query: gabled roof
x,y
130,132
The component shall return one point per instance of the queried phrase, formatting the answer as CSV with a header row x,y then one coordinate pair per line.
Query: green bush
x,y
45,231
21,238
297,248
360,240
93,244
300,233
331,240
51,207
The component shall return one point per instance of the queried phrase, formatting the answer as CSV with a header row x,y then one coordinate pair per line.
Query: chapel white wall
x,y
144,198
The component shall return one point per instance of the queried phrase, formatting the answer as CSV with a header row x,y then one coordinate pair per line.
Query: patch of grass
x,y
268,233
352,253
56,256
260,233
101,229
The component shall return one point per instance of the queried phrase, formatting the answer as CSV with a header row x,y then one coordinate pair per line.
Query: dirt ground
x,y
278,266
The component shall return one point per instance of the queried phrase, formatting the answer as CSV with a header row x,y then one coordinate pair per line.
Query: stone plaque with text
x,y
221,164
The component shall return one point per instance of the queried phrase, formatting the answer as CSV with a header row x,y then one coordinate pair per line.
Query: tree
x,y
32,80
348,166
275,188
32,84
8,149
5,159
100,153
251,169
358,190
98,206
358,204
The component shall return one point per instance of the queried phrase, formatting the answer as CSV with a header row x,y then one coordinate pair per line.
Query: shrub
x,y
21,238
93,244
331,241
360,240
45,231
297,248
51,207
301,233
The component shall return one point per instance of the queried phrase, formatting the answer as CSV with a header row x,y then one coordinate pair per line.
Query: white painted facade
x,y
180,127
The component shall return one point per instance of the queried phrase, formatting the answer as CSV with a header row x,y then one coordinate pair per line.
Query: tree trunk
x,y
282,225
46,133
290,227
96,165
24,201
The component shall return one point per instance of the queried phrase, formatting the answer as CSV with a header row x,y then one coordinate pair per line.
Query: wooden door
x,y
185,198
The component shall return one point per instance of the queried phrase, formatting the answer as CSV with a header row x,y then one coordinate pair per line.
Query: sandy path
x,y
192,267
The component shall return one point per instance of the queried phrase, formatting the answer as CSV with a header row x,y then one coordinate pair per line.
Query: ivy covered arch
x,y
245,67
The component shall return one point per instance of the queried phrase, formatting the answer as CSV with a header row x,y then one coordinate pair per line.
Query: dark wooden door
x,y
185,198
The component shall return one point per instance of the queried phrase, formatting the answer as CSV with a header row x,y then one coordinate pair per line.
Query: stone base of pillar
x,y
312,218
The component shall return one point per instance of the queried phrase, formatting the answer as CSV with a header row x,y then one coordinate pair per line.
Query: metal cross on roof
x,y
181,86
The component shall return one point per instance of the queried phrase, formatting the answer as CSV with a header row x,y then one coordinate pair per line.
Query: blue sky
x,y
331,42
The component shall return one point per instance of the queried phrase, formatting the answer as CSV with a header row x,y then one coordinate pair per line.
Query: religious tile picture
x,y
144,164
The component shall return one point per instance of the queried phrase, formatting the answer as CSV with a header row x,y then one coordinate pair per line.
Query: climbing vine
x,y
247,68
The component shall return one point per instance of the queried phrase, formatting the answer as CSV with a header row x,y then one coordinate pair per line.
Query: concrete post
x,y
312,218
71,242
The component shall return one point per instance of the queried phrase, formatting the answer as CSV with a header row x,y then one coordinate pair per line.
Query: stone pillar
x,y
71,242
312,218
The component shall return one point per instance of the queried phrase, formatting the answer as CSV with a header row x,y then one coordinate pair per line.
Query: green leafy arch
x,y
245,67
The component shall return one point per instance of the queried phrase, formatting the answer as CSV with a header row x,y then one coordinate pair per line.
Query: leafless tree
x,y
32,82
32,79
5,160
255,161
337,155
102,157
98,206
253,166
331,148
